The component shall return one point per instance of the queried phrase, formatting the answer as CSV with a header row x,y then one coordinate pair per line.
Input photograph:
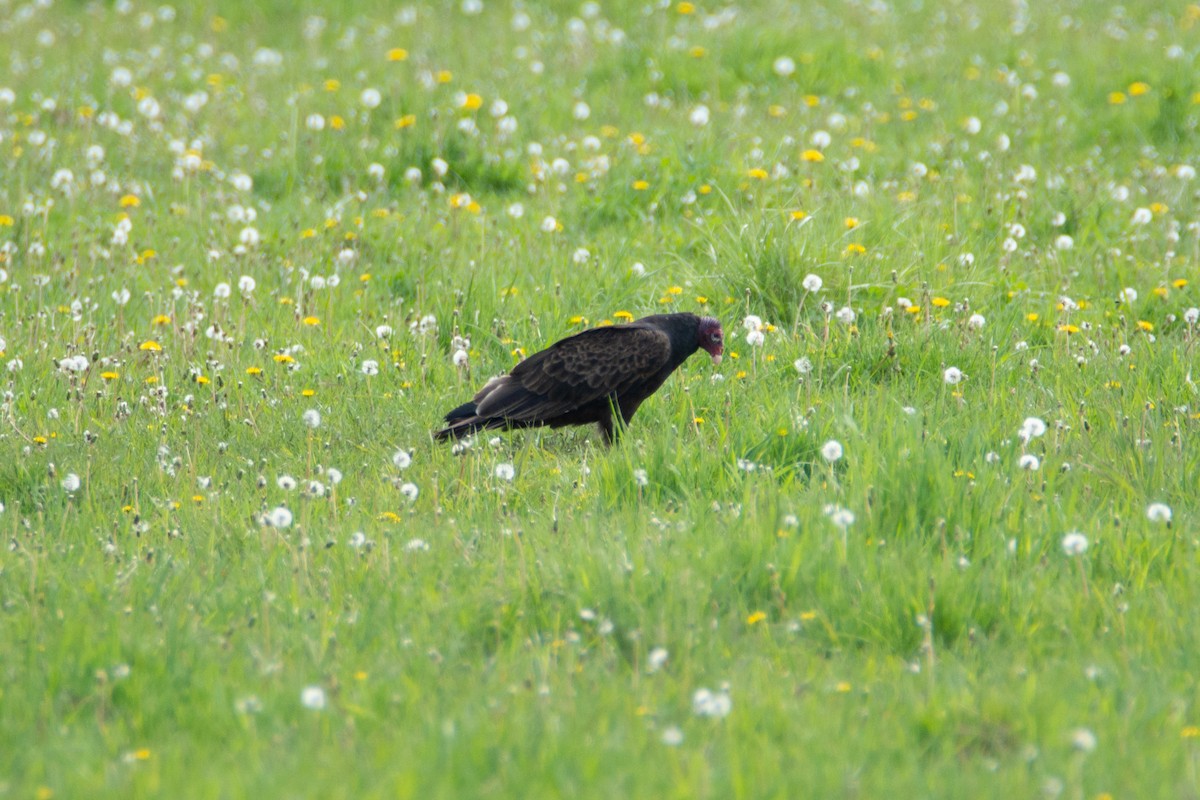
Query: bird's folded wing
x,y
576,371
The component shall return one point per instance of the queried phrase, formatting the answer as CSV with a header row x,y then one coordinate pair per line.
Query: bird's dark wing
x,y
576,371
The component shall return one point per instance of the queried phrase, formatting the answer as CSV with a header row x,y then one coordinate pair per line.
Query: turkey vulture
x,y
582,378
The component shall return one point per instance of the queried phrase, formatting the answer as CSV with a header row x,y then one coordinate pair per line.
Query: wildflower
x,y
845,315
504,472
755,338
549,224
784,66
832,450
1191,316
1083,739
460,358
313,698
803,365
71,483
640,477
1074,544
286,482
370,98
401,458
699,116
1128,295
952,376
672,736
1064,242
410,491
369,367
1142,216
1029,462
841,517
312,418
1031,428
1158,512
812,283
976,322
279,517
706,703
150,346
416,545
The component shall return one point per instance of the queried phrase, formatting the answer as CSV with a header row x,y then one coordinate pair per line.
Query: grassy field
x,y
930,530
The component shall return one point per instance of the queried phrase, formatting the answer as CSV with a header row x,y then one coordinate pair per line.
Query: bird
x,y
587,377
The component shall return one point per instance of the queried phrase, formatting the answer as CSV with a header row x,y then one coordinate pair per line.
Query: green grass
x,y
495,638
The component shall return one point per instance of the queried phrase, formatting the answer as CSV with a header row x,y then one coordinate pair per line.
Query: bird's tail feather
x,y
464,421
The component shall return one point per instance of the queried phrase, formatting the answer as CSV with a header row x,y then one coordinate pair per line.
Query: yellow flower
x,y
219,24
843,687
1190,732
813,155
336,122
704,189
1068,328
1146,326
623,316
1138,88
110,376
686,8
332,85
444,76
697,420
308,233
407,121
307,392
6,221
758,173
202,379
701,299
283,358
776,110
1032,316
798,215
153,379
1116,98
675,290
808,616
390,516
756,617
253,370
1160,291
576,320
161,319
39,440
940,302
197,498
397,54
854,248
150,346
312,320
471,102
697,52
130,201
851,223
641,186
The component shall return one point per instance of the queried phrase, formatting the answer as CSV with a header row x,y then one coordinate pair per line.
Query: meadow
x,y
930,529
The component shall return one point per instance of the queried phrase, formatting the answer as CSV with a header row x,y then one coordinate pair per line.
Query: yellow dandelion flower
x,y
697,52
110,375
397,54
811,100
798,215
1179,283
6,221
623,316
365,277
1160,291
153,379
336,122
197,498
675,290
758,173
254,370
776,111
1190,732
816,156
1068,329
285,301
843,687
906,197
576,320
940,302
756,617
39,440
701,300
609,131
161,319
310,320
444,76
741,374
1159,208
471,102
1138,88
704,189
851,223
307,392
283,358
1145,326
332,85
308,233
1032,316
407,121
686,8
202,380
1116,98
697,420
130,201
855,248
150,346
641,186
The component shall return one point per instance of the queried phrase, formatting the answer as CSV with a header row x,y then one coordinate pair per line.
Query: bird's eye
x,y
716,337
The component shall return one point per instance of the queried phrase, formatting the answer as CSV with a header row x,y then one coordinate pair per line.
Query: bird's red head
x,y
712,338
